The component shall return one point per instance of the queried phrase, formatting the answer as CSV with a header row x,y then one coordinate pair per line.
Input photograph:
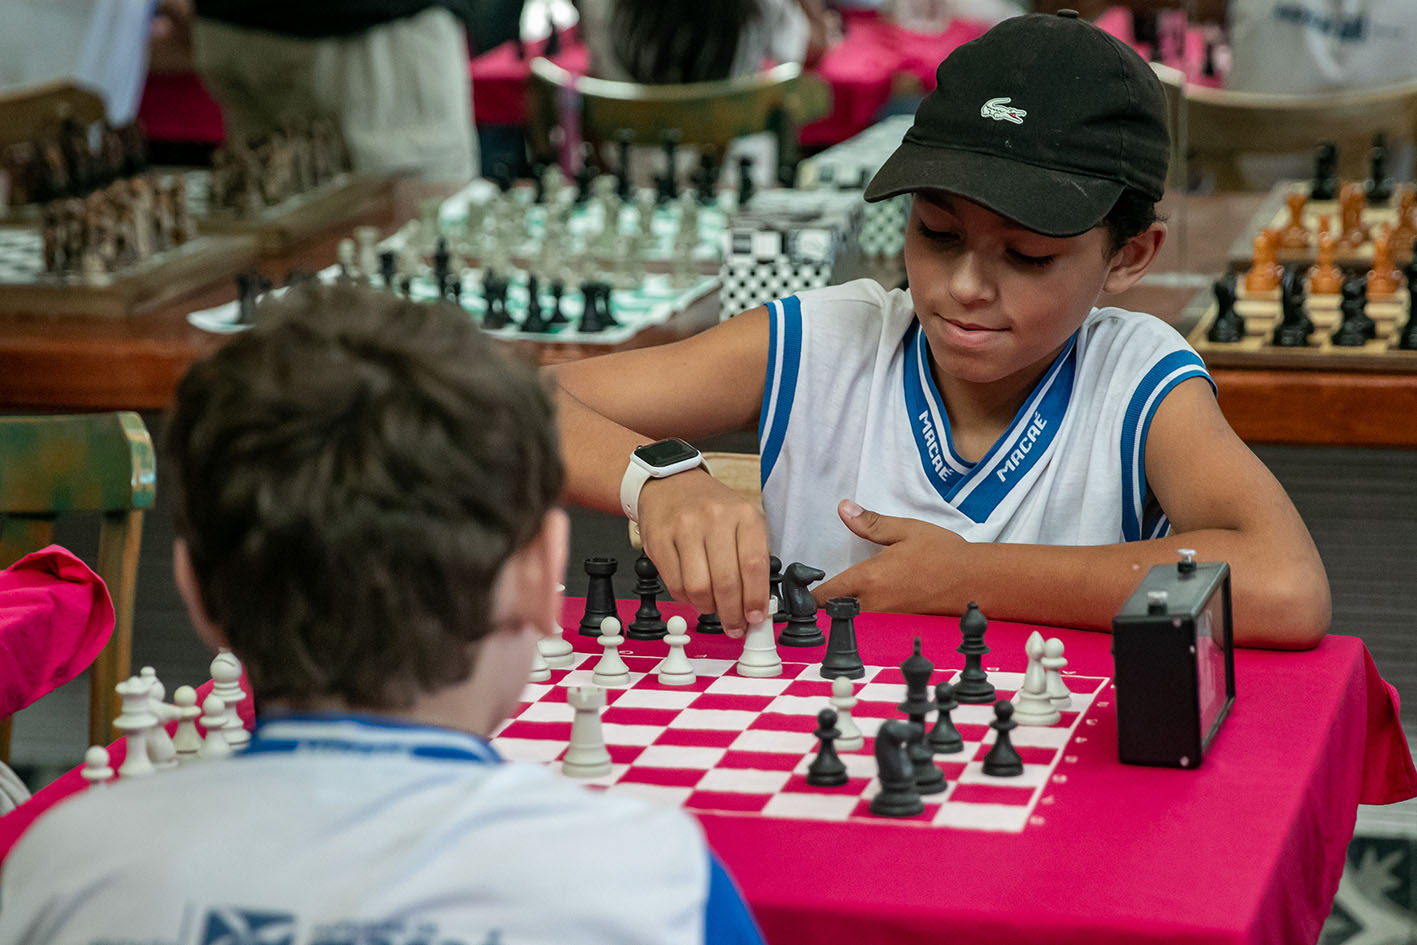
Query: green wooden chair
x,y
91,463
706,114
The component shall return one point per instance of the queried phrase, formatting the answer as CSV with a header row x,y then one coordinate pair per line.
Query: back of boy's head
x,y
1045,119
351,475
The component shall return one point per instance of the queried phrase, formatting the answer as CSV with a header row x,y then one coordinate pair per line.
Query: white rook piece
x,y
760,657
843,699
675,669
226,686
586,756
135,722
610,670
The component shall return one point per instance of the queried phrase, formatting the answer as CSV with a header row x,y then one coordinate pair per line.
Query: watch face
x,y
666,453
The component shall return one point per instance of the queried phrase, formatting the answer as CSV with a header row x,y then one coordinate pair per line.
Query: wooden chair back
x,y
738,471
1217,126
706,114
88,463
38,110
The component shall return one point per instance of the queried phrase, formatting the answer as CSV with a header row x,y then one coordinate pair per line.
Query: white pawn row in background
x,y
148,748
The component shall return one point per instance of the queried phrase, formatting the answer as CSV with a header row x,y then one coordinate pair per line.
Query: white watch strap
x,y
636,475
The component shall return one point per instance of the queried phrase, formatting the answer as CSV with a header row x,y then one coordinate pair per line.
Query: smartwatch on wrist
x,y
655,461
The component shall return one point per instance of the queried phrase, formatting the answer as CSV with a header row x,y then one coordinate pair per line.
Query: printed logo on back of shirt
x,y
231,926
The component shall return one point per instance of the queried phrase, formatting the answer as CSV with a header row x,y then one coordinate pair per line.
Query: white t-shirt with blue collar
x,y
352,829
851,410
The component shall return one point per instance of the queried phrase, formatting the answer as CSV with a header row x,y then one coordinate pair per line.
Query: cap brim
x,y
1054,203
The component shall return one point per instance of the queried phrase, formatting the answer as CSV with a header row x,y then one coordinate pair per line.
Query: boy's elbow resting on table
x,y
1288,610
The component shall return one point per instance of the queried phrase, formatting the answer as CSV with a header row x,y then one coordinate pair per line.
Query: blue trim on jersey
x,y
1160,527
783,362
365,735
976,489
1136,426
727,920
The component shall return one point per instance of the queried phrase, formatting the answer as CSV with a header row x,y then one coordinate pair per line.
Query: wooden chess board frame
x,y
165,276
1262,313
280,228
1274,214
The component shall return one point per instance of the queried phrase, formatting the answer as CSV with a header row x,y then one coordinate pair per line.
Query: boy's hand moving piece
x,y
710,545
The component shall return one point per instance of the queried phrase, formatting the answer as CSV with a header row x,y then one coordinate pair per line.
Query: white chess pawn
x,y
760,657
96,768
610,670
226,686
586,755
675,669
135,722
843,699
1031,705
215,745
1053,662
160,749
187,740
556,649
540,672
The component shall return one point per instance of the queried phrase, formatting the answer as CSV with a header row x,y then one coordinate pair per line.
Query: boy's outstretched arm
x,y
1221,501
709,543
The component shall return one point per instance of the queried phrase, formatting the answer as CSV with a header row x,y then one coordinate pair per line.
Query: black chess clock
x,y
1174,663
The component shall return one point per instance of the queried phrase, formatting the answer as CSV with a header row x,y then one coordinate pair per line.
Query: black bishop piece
x,y
600,594
801,629
843,658
916,669
973,687
648,623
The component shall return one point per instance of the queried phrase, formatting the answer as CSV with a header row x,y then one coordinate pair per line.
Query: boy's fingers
x,y
753,569
696,579
727,581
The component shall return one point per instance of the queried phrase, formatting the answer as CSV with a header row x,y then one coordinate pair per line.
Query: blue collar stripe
x,y
355,735
1136,425
1033,430
780,386
926,431
936,403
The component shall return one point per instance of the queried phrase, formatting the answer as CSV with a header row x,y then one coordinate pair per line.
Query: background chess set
x,y
740,746
849,166
1273,213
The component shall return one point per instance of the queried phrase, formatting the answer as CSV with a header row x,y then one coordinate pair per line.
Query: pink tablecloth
x,y
1248,848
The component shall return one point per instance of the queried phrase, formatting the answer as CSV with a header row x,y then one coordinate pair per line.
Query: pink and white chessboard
x,y
730,744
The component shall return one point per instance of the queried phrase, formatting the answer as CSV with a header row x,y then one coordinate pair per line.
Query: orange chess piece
x,y
1324,277
1400,241
1383,278
1295,235
1263,275
1351,231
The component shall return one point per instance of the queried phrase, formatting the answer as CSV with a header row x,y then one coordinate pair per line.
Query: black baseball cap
x,y
1045,119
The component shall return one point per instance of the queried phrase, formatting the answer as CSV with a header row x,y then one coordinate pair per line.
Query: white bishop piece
x,y
760,657
675,669
226,686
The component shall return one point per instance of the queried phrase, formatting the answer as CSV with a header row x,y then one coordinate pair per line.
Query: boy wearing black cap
x,y
989,434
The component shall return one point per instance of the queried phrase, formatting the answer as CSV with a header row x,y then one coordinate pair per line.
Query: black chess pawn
x,y
600,594
745,180
944,738
1294,325
1003,760
801,629
1325,183
709,623
1356,328
1378,186
558,317
917,669
973,687
590,310
648,623
775,588
843,658
826,770
388,269
535,321
899,797
624,137
1228,327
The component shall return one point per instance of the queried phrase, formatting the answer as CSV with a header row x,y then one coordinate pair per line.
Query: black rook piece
x,y
917,669
826,770
1228,326
973,686
944,737
801,629
899,797
600,594
648,623
1003,760
843,658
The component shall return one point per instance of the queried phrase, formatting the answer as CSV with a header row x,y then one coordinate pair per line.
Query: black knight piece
x,y
801,629
600,594
899,797
648,623
944,737
916,669
843,658
1294,325
1228,326
973,686
1003,760
826,770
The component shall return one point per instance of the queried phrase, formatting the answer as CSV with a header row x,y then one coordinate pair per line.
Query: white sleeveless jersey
x,y
332,830
851,411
